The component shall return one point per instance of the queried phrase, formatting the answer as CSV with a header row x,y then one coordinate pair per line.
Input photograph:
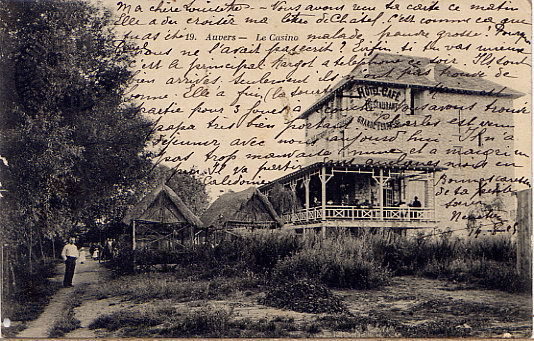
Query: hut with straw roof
x,y
161,220
245,209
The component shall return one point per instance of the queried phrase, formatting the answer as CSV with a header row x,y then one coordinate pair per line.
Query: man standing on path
x,y
70,254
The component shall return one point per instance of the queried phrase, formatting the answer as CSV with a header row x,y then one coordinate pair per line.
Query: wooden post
x,y
322,177
381,193
293,187
133,235
133,245
434,196
307,196
323,192
524,233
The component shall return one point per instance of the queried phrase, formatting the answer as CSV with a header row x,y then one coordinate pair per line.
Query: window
x,y
415,98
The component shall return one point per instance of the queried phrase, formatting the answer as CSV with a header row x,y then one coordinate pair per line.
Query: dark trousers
x,y
70,264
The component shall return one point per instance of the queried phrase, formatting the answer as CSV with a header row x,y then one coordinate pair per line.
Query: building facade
x,y
401,114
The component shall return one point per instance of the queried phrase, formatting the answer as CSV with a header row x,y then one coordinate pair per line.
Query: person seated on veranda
x,y
366,204
416,202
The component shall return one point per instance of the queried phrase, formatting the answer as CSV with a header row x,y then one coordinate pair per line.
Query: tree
x,y
190,189
75,144
282,199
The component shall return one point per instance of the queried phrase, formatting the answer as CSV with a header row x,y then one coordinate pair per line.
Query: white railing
x,y
357,213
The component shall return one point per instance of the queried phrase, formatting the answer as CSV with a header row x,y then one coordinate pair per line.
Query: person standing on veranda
x,y
69,254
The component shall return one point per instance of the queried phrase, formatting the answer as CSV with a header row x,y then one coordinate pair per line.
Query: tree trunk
x,y
13,278
53,248
41,247
30,254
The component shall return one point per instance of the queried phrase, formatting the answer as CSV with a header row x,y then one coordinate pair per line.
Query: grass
x,y
355,326
342,261
204,322
304,296
151,286
67,322
30,298
129,319
365,261
486,262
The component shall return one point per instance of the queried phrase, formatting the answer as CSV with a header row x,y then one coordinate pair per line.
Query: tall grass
x,y
488,261
342,261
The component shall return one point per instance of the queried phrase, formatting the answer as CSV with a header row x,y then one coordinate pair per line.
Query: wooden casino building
x,y
400,127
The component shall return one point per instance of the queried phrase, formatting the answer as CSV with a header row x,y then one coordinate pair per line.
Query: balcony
x,y
355,213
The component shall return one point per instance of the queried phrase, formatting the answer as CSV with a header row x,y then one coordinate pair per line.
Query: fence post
x,y
524,233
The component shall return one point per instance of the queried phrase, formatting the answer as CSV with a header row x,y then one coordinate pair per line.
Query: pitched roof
x,y
416,72
227,205
162,205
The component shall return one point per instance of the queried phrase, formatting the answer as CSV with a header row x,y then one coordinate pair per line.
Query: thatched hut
x,y
161,220
245,209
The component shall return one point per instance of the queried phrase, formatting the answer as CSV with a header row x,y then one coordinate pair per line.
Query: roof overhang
x,y
349,81
356,165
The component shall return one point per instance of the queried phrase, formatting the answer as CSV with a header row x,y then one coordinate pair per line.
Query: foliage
x,y
122,319
304,295
256,252
366,326
32,294
149,286
67,321
487,261
282,199
365,261
73,141
343,261
209,321
190,189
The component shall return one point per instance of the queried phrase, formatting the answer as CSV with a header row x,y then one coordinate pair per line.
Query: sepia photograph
x,y
265,169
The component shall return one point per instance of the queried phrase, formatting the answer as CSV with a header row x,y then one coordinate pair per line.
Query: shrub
x,y
67,322
342,262
205,322
64,325
305,296
488,261
31,295
122,319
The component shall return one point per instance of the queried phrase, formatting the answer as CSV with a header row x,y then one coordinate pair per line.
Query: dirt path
x,y
456,309
413,306
87,274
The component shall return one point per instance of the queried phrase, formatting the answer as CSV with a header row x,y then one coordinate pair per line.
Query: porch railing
x,y
315,214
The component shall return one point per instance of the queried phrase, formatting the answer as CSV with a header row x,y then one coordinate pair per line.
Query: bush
x,y
487,261
67,321
304,296
33,291
64,325
341,262
122,319
205,322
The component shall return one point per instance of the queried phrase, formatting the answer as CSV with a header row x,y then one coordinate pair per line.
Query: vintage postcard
x,y
265,169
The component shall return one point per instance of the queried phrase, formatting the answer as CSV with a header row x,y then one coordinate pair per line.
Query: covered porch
x,y
360,194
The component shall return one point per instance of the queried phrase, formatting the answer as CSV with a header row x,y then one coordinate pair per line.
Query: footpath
x,y
87,274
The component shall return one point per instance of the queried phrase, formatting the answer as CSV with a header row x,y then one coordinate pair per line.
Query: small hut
x,y
162,221
245,209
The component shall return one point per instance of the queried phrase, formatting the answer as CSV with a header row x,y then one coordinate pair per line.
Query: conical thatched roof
x,y
244,206
162,205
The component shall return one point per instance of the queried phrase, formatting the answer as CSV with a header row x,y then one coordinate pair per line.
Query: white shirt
x,y
70,250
